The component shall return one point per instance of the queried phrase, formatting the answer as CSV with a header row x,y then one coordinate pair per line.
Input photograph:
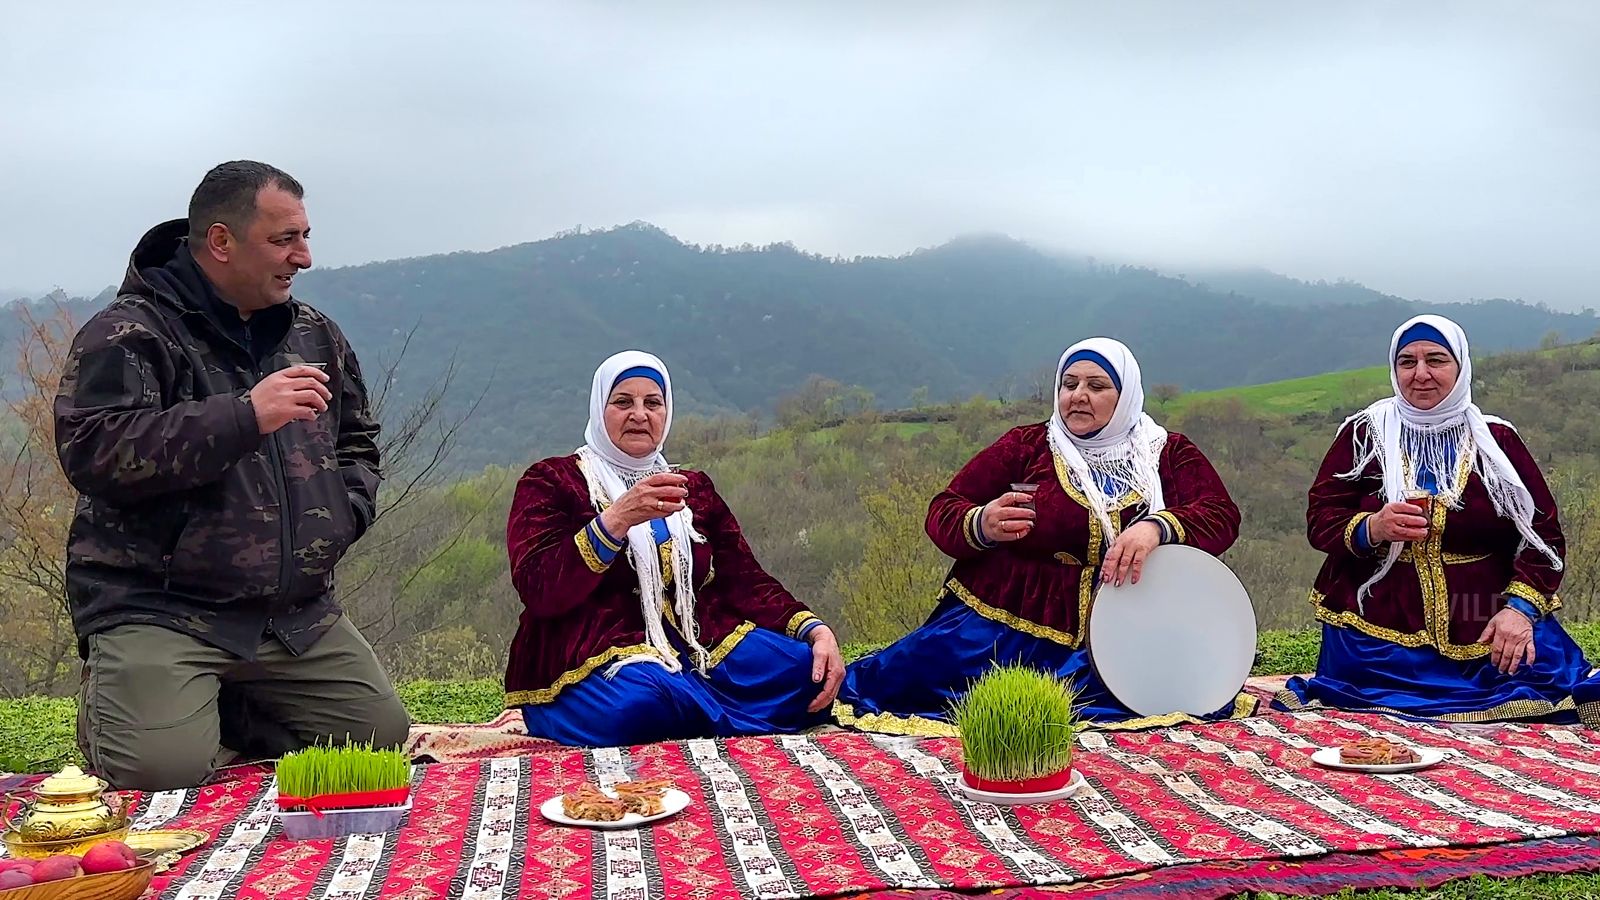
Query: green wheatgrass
x,y
1016,723
346,769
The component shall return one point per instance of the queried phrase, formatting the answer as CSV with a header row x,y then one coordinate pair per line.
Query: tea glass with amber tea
x,y
1422,500
1025,488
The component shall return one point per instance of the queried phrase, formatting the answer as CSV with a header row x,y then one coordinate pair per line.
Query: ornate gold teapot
x,y
69,814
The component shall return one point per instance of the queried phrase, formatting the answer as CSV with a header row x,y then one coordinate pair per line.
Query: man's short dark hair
x,y
228,195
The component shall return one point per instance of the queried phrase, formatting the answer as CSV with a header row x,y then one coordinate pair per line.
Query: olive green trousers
x,y
159,709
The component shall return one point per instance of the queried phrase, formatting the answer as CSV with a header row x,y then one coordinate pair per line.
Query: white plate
x,y
1181,640
673,802
1329,757
998,799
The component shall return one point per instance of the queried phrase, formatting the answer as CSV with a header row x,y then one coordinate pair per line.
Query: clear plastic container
x,y
304,826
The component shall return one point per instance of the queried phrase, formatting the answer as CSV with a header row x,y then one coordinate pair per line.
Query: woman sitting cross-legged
x,y
1444,552
1112,485
645,615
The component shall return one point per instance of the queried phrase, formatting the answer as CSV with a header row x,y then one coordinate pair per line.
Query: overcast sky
x,y
1436,150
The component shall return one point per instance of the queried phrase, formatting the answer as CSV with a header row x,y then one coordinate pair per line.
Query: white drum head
x,y
1181,640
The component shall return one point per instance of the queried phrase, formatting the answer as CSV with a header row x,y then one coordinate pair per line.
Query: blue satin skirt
x,y
1356,671
762,687
921,675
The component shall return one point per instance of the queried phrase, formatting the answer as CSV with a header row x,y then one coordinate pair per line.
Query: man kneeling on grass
x,y
219,433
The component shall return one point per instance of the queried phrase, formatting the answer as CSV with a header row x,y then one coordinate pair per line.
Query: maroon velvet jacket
x,y
1044,583
1444,590
579,615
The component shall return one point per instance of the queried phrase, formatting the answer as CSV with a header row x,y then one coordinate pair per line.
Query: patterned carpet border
x,y
1404,869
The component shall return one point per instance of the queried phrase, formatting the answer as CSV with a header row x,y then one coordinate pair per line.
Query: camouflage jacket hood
x,y
188,517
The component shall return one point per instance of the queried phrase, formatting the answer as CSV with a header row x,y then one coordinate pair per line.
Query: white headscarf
x,y
609,473
1127,449
1435,439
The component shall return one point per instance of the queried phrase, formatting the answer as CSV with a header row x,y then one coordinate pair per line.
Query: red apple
x,y
10,863
56,868
14,878
109,856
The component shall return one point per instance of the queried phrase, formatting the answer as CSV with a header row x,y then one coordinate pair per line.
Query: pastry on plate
x,y
590,804
647,798
1375,751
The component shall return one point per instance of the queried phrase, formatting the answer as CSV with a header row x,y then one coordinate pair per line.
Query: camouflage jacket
x,y
188,517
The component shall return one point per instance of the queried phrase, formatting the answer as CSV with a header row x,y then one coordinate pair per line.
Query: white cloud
x,y
1439,150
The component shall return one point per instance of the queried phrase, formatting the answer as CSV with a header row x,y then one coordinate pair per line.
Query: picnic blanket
x,y
843,813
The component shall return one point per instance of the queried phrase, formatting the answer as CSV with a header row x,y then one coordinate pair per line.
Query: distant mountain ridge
x,y
742,327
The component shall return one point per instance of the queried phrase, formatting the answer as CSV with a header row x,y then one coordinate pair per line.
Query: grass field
x,y
1319,394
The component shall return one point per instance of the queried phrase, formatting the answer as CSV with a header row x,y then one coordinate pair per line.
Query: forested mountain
x,y
742,327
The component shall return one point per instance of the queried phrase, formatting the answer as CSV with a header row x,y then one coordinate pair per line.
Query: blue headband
x,y
1098,360
641,372
1422,331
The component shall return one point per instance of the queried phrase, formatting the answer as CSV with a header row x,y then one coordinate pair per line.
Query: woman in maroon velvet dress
x,y
1112,485
1438,594
645,615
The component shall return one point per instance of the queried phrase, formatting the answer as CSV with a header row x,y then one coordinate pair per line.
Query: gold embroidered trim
x,y
667,570
1589,713
665,549
889,723
1450,559
969,528
1545,605
1349,619
573,676
1092,557
1511,709
721,651
1291,701
920,726
1012,621
1244,706
1428,558
1067,559
600,532
587,551
1350,530
1177,527
798,621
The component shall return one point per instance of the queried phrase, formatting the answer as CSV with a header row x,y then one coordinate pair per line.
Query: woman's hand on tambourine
x,y
1125,560
654,497
1007,517
1397,522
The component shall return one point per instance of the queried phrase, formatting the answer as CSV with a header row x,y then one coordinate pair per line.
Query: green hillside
x,y
1314,395
522,327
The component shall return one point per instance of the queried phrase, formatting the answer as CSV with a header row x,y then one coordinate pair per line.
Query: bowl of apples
x,y
109,870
